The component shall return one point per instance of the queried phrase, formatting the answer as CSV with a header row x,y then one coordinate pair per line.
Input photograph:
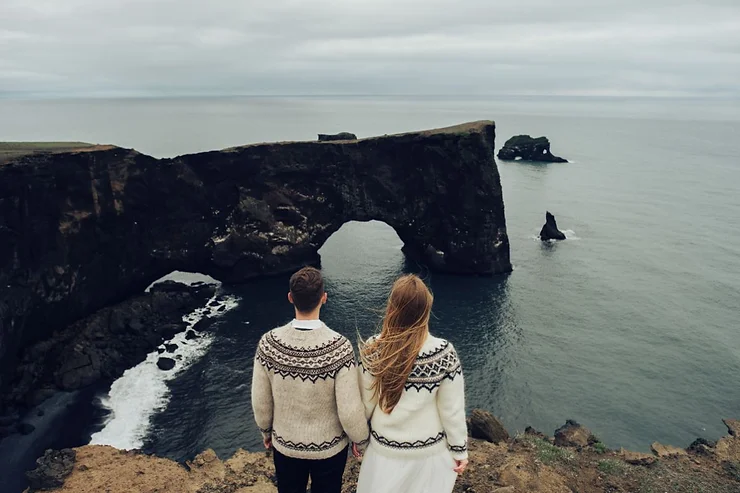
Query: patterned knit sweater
x,y
305,392
430,416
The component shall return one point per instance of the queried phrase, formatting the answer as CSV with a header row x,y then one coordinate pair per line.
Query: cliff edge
x,y
529,463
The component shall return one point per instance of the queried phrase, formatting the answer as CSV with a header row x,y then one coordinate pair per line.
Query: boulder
x,y
529,149
485,426
165,364
339,136
190,335
550,230
161,350
51,469
203,324
572,434
171,348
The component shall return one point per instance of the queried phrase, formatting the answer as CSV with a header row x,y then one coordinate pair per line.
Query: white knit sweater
x,y
430,416
305,392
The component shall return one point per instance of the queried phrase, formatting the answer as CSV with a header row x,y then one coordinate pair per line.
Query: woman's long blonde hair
x,y
390,357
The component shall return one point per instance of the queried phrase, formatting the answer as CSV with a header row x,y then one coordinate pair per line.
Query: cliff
x,y
85,229
529,463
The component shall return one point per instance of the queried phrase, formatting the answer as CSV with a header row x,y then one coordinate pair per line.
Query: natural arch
x,y
81,230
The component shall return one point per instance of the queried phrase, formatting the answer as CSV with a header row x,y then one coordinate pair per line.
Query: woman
x,y
414,395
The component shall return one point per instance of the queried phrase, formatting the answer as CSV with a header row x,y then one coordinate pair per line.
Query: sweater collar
x,y
306,324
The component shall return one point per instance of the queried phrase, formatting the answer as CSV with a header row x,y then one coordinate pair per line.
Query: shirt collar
x,y
306,324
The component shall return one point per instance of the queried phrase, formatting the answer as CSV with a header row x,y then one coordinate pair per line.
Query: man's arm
x,y
349,402
262,404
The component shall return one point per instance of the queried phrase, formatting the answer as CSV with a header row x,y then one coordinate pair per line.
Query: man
x,y
306,396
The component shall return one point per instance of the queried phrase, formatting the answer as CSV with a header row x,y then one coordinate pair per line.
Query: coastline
x,y
574,460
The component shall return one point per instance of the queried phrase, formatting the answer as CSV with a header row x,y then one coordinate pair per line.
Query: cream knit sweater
x,y
305,392
430,416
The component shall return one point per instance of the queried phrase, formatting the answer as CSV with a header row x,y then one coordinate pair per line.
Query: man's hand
x,y
356,451
267,442
460,466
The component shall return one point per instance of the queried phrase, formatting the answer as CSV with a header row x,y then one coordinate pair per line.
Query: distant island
x,y
528,148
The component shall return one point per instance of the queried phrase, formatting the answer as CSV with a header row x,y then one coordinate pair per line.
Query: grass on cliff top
x,y
10,150
547,453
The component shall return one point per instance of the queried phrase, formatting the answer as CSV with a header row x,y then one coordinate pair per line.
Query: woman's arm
x,y
451,406
369,397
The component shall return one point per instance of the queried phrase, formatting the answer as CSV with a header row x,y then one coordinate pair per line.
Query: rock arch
x,y
81,230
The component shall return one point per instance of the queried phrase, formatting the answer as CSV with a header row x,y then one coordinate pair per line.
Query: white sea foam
x,y
142,390
569,235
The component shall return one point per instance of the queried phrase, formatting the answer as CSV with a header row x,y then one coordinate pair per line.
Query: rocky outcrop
x,y
485,426
339,136
572,434
529,149
550,230
522,464
99,347
83,230
52,469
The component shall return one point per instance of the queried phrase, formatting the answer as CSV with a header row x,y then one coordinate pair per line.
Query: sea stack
x,y
529,149
550,230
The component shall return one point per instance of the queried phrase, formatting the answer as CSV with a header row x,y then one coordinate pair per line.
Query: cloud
x,y
174,47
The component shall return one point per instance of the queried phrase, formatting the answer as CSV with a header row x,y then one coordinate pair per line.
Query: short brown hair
x,y
307,289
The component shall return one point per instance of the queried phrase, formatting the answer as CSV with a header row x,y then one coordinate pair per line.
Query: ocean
x,y
631,326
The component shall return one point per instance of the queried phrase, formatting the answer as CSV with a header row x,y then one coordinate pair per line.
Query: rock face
x,y
485,426
83,230
550,230
51,469
339,136
529,149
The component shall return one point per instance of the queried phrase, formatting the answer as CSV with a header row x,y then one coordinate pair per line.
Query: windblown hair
x,y
390,357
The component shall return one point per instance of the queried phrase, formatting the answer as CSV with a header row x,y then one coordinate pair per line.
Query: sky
x,y
660,48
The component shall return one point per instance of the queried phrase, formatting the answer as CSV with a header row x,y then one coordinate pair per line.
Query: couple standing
x,y
311,401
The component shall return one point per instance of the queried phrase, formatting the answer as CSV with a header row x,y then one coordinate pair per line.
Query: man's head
x,y
307,290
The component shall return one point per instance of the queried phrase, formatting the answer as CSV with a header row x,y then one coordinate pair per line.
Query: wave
x,y
569,235
142,390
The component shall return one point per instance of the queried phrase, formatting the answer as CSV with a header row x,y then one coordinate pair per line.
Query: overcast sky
x,y
179,47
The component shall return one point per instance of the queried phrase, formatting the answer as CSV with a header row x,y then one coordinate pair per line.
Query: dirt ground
x,y
524,464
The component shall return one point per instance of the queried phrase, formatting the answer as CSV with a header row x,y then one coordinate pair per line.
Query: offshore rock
x,y
83,230
165,364
529,149
339,136
550,230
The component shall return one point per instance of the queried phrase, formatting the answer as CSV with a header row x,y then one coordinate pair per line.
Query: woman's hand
x,y
356,451
460,466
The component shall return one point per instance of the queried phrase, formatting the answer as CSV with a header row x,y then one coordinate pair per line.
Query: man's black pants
x,y
326,474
